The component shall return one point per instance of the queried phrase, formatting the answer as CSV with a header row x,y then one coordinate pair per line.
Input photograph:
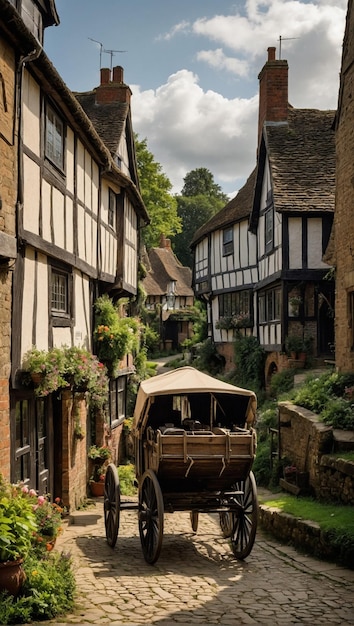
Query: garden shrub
x,y
281,382
249,362
47,592
331,396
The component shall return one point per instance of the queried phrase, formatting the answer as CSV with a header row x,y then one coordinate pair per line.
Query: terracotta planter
x,y
97,489
12,576
36,378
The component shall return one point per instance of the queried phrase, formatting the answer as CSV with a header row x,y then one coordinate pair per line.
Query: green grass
x,y
346,456
328,515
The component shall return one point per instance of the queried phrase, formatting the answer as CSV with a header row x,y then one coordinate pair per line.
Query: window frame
x,y
269,306
50,146
269,223
61,317
227,241
236,303
117,400
112,208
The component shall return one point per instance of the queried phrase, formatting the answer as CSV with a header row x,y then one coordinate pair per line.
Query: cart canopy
x,y
232,405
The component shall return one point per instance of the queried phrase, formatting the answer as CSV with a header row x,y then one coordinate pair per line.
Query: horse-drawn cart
x,y
194,449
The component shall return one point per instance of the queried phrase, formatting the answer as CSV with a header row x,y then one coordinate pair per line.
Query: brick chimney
x,y
165,243
273,92
112,89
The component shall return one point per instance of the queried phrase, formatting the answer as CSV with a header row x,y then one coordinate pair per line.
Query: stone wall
x,y
336,480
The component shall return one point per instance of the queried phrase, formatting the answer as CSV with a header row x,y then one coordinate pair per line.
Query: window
x,y
117,399
235,303
32,18
112,208
59,293
269,223
269,305
54,138
227,241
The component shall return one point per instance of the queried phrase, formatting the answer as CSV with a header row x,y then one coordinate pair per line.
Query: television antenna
x,y
102,49
112,53
284,39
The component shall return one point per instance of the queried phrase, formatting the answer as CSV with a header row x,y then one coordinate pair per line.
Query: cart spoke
x,y
150,517
243,522
111,504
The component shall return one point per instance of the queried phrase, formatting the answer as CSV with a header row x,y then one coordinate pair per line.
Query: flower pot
x,y
97,489
12,576
37,378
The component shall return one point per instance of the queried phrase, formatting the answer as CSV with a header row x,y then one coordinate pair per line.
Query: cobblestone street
x,y
197,580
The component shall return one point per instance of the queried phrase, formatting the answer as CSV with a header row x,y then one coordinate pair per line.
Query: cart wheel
x,y
194,515
151,511
244,521
225,520
111,504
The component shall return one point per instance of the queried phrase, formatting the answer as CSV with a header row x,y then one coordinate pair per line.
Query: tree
x,y
155,190
201,198
201,182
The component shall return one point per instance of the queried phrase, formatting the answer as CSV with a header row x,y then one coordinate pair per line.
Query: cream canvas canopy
x,y
189,381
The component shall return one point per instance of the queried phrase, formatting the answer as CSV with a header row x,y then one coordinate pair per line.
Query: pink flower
x,y
25,489
32,492
41,500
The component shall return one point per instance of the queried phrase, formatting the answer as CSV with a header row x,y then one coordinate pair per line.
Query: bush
x,y
47,592
208,358
330,397
249,362
281,382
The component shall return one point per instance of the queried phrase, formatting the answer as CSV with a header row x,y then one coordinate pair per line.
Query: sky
x,y
193,66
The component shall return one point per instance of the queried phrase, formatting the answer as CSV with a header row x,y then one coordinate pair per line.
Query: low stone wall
x,y
305,535
303,439
336,480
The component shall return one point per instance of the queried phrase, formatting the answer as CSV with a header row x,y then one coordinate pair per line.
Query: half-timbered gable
x,y
108,107
225,269
292,216
78,215
169,293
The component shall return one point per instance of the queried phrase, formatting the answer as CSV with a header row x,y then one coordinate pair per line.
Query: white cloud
x,y
182,27
189,127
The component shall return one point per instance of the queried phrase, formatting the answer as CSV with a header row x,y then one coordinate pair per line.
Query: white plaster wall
x,y
80,172
42,302
70,159
58,218
82,328
314,243
31,113
295,242
31,178
69,224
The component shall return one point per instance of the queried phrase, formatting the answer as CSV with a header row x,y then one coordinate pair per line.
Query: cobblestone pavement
x,y
197,580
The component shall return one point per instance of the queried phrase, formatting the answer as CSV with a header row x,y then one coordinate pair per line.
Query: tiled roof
x,y
164,268
302,161
108,119
237,209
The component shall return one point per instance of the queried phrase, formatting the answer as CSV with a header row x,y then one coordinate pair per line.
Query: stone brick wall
x,y
74,450
226,350
303,440
343,217
336,480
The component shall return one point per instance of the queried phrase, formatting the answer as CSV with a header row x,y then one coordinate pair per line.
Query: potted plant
x,y
99,457
46,369
293,345
17,526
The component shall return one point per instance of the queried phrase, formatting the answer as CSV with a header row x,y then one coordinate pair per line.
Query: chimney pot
x,y
118,74
105,75
271,54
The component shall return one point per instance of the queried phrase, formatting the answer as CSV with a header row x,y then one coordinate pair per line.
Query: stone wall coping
x,y
294,409
342,465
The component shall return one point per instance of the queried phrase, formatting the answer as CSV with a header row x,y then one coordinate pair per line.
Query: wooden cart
x,y
194,448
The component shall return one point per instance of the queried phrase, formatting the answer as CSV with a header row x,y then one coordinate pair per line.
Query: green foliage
x,y
331,397
126,475
152,340
47,592
249,362
115,336
281,382
67,368
17,522
261,465
193,212
155,190
201,182
208,359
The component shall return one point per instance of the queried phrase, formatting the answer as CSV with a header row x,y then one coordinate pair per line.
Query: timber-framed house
x,y
286,218
78,216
